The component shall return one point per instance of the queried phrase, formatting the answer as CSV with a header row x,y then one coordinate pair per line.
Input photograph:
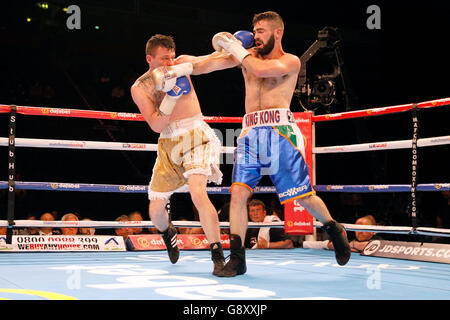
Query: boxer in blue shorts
x,y
266,136
270,143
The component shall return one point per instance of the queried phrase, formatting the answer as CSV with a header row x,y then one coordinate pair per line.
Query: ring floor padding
x,y
271,274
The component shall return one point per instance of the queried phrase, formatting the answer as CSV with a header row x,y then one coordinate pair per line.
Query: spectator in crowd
x,y
188,230
136,216
183,230
86,231
196,218
153,231
69,231
265,238
48,231
357,245
28,231
276,209
123,232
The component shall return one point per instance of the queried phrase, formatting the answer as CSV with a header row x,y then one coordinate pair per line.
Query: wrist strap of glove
x,y
238,51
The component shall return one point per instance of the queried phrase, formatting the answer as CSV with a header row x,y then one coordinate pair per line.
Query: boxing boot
x,y
236,265
170,239
217,257
338,236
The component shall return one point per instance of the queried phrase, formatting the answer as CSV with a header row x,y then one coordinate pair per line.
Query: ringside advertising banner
x,y
145,242
62,243
418,251
297,220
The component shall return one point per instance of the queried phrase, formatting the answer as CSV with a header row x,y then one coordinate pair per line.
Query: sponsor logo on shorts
x,y
292,191
267,117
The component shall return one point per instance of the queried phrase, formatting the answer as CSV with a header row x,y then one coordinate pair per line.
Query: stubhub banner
x,y
419,251
184,241
62,243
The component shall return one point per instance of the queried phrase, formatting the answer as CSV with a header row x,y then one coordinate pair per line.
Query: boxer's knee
x,y
306,200
197,189
239,194
157,208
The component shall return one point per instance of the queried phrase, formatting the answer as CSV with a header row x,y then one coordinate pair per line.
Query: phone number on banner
x,y
63,243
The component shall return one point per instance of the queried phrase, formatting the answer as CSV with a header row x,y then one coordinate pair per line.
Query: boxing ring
x,y
272,275
275,274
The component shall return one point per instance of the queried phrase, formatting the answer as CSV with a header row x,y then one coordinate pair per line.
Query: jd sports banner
x,y
432,252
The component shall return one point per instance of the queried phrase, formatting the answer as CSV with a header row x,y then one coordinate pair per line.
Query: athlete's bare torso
x,y
187,106
266,93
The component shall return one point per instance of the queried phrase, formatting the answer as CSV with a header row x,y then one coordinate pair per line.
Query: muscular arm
x,y
154,118
286,64
209,63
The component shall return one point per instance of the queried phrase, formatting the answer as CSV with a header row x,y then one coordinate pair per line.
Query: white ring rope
x,y
388,145
88,145
196,224
129,146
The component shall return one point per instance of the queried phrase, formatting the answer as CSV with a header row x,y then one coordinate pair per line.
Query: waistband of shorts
x,y
268,117
178,127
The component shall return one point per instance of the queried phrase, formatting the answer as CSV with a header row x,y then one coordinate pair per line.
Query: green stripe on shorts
x,y
286,130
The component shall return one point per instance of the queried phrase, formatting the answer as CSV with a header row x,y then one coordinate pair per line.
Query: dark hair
x,y
256,202
159,40
122,217
271,16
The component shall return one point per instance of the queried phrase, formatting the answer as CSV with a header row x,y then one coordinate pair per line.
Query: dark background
x,y
45,64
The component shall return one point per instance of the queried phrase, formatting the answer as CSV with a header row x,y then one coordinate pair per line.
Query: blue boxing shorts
x,y
272,144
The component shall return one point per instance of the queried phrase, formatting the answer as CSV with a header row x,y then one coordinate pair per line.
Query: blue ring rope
x,y
85,187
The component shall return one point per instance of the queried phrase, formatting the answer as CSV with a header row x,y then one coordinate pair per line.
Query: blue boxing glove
x,y
182,87
245,37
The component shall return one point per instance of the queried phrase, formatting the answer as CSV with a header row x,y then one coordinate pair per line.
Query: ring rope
x,y
131,146
138,117
77,113
223,225
88,145
116,188
387,145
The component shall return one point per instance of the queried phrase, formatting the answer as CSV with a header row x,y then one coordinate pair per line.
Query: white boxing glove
x,y
169,84
162,74
227,42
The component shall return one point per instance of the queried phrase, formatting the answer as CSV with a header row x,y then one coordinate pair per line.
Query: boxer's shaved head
x,y
271,16
159,40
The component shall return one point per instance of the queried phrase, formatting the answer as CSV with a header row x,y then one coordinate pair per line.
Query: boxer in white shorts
x,y
188,149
